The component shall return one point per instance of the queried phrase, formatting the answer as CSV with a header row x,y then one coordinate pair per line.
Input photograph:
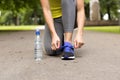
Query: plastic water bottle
x,y
38,46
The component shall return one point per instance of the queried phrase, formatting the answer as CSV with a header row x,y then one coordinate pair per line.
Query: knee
x,y
48,50
51,52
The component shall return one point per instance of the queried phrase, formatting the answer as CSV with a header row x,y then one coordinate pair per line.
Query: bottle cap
x,y
37,31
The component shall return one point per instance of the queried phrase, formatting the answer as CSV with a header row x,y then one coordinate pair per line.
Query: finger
x,y
53,47
78,44
58,44
81,44
75,44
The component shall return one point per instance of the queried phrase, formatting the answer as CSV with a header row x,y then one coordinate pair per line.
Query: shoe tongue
x,y
67,44
68,49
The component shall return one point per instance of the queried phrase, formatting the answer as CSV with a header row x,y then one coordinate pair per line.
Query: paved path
x,y
98,59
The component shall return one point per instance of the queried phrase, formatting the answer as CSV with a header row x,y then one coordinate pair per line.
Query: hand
x,y
78,41
55,44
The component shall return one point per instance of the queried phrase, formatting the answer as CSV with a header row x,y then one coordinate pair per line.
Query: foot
x,y
68,52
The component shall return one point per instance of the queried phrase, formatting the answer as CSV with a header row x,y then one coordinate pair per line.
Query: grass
x,y
110,29
11,28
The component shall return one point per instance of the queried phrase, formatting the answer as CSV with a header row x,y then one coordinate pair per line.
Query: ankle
x,y
68,41
68,44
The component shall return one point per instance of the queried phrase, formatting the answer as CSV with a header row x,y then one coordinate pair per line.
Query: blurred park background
x,y
29,12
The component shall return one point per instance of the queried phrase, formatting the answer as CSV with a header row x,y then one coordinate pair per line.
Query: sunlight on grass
x,y
112,29
21,27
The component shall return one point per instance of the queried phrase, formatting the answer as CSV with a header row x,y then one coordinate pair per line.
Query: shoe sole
x,y
67,58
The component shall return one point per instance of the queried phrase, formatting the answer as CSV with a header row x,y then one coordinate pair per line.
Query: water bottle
x,y
38,46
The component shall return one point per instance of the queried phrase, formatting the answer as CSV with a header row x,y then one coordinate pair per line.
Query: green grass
x,y
8,28
110,29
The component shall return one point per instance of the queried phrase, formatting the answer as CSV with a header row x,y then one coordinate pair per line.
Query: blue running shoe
x,y
68,52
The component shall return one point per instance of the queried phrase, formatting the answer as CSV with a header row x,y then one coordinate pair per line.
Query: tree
x,y
14,6
87,9
94,10
110,7
106,6
17,5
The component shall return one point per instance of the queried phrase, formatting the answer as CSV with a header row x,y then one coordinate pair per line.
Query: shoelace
x,y
71,48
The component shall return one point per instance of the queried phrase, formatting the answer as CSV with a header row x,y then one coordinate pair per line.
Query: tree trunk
x,y
87,10
101,15
108,11
16,20
94,10
35,17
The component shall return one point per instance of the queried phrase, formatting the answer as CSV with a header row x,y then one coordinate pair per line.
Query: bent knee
x,y
49,51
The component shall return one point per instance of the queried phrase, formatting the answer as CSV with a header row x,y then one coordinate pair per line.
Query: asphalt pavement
x,y
98,59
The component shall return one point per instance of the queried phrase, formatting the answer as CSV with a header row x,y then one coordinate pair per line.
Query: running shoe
x,y
68,52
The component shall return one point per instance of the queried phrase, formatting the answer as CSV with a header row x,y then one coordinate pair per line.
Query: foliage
x,y
23,10
30,12
87,10
86,1
110,7
110,29
107,6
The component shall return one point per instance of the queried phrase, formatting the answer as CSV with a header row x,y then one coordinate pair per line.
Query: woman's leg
x,y
47,37
68,18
